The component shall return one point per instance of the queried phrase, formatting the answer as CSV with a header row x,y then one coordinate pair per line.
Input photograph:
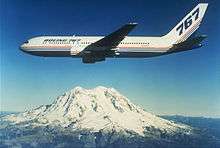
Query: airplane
x,y
119,45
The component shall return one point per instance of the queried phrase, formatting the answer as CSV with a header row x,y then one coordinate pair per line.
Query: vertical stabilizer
x,y
189,24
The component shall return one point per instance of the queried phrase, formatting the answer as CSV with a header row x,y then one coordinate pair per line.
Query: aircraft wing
x,y
112,40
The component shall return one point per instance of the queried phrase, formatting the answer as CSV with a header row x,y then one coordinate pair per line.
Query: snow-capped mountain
x,y
96,109
97,118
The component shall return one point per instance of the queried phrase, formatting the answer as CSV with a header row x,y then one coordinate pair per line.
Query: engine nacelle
x,y
92,58
88,60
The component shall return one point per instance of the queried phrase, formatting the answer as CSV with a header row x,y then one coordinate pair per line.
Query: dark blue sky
x,y
185,83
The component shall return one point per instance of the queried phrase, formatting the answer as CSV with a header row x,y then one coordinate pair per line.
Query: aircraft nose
x,y
23,47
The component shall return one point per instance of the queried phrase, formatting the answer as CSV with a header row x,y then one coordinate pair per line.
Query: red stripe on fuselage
x,y
55,46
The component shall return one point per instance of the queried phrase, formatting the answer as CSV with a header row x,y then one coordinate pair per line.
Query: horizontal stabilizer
x,y
189,44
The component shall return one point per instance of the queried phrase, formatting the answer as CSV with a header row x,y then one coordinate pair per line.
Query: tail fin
x,y
189,24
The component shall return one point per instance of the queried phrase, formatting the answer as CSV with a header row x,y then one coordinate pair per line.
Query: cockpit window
x,y
26,42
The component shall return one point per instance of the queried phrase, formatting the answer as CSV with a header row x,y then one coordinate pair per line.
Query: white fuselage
x,y
132,46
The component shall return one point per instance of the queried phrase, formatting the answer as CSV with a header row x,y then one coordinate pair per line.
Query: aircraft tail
x,y
188,25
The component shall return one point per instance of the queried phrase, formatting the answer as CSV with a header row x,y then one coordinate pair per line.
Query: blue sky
x,y
184,83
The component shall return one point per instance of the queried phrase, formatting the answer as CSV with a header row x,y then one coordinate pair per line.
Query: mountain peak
x,y
100,88
95,109
79,89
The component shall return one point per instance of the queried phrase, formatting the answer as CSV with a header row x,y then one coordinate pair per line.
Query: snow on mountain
x,y
96,109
